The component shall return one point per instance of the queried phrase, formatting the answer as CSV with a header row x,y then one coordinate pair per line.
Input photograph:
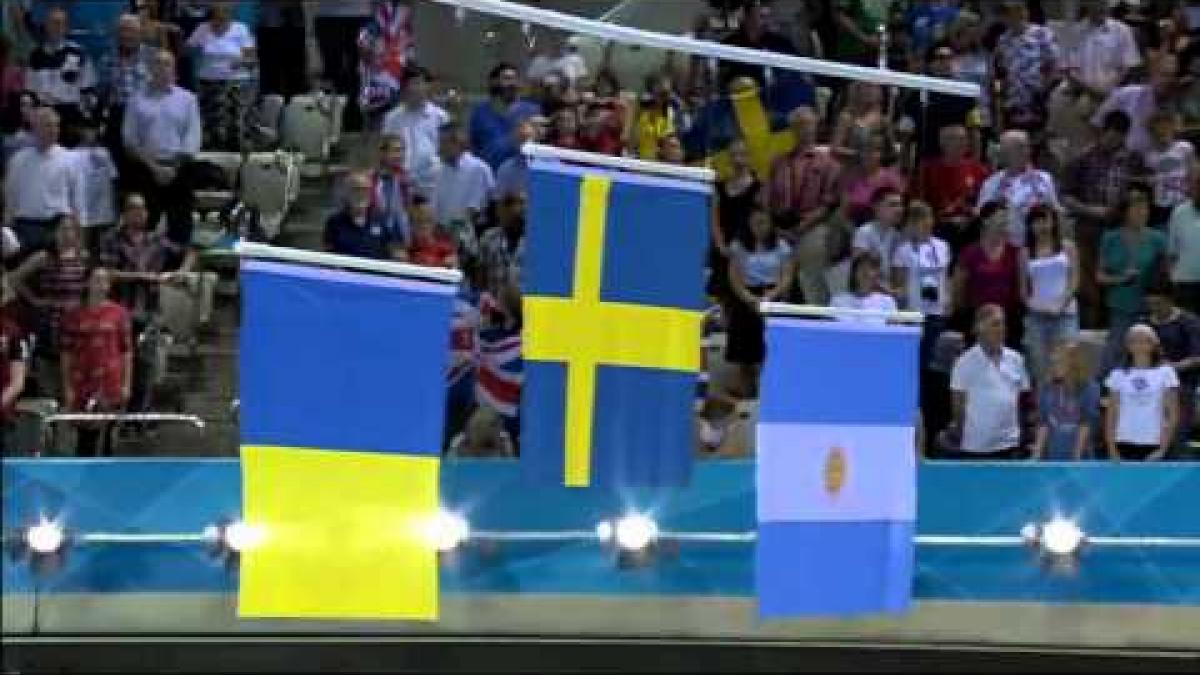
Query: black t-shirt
x,y
369,240
1180,339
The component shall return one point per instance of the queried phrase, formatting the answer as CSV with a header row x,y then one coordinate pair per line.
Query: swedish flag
x,y
613,300
758,117
342,375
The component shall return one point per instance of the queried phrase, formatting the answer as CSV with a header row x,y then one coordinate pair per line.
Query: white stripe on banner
x,y
836,473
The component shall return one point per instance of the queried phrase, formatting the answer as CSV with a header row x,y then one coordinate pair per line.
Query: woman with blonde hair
x,y
1068,407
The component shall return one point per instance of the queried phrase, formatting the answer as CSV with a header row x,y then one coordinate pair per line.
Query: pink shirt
x,y
858,189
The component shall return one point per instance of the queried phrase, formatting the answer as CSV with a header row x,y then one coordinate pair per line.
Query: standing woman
x,y
989,272
50,282
1132,257
1068,408
1051,279
737,198
227,73
97,359
1143,400
760,270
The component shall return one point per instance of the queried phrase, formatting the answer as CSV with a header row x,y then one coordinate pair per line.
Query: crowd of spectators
x,y
1047,232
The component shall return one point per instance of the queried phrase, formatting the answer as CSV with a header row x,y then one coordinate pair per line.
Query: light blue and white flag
x,y
836,468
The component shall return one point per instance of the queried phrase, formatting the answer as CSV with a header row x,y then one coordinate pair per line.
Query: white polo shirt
x,y
992,389
1140,393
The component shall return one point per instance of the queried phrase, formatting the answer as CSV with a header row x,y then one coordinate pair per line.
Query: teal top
x,y
1128,298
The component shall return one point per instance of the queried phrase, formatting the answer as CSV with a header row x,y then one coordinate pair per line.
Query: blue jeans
x,y
1042,333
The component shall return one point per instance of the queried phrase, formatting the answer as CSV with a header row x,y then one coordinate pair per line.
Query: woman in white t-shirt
x,y
865,289
920,270
226,76
1143,400
1048,288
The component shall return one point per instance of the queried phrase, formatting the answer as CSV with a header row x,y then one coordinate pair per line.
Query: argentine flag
x,y
836,468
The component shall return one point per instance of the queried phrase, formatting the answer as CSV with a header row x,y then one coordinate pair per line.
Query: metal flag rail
x,y
748,537
712,50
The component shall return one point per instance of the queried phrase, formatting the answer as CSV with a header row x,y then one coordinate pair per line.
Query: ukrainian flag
x,y
760,118
342,390
613,307
836,469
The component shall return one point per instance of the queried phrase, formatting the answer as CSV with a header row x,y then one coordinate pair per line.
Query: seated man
x,y
356,230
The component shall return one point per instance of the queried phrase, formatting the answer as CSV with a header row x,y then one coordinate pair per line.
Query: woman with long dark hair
x,y
1051,279
1132,257
989,272
866,288
1143,400
737,197
760,270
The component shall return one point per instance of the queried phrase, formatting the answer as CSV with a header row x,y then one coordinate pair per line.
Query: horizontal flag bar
x,y
817,311
396,269
693,173
713,50
933,540
124,417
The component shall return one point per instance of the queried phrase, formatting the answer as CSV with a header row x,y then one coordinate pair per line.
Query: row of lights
x,y
1058,539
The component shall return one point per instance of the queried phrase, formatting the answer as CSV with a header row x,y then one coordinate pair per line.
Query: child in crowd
x,y
1068,408
428,245
865,287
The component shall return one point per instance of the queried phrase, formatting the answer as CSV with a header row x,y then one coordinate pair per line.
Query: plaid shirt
x,y
122,77
500,260
1100,177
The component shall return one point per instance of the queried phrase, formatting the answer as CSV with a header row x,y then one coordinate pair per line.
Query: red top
x,y
951,188
13,349
992,281
432,251
97,338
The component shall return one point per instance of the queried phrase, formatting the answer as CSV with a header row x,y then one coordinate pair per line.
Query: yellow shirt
x,y
653,124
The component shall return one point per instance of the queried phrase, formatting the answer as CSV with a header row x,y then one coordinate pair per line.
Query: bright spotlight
x,y
604,531
240,536
635,532
45,538
447,531
1062,537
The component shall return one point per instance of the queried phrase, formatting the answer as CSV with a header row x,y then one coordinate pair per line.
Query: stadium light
x,y
635,532
447,531
234,537
45,538
1059,540
1062,537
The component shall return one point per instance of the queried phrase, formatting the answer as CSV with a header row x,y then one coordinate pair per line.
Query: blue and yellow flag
x,y
836,468
760,118
613,300
342,390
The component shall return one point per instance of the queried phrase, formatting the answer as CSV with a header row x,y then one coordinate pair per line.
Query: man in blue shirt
x,y
356,231
493,121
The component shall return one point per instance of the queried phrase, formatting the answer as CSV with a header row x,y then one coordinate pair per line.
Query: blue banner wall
x,y
183,496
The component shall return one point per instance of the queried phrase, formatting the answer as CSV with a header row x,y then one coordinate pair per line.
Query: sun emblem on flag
x,y
835,471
